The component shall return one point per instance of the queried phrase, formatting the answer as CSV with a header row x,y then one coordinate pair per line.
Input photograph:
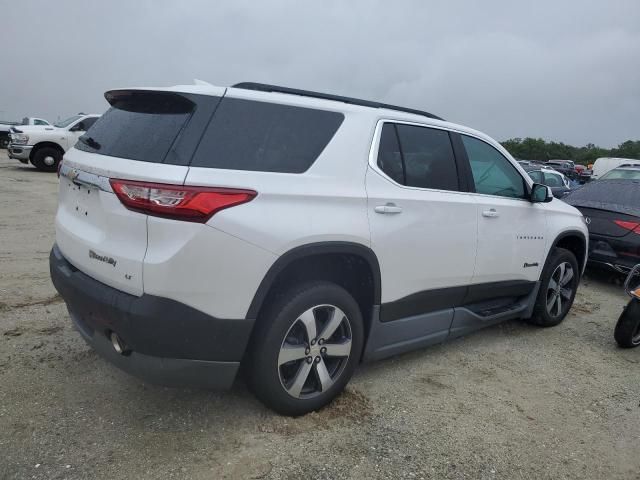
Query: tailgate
x,y
138,139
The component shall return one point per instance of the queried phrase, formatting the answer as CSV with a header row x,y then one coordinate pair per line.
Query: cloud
x,y
541,68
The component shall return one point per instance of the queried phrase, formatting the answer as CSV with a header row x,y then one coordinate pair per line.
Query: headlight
x,y
19,138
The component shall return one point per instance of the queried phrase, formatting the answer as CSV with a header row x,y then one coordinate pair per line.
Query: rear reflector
x,y
178,202
631,226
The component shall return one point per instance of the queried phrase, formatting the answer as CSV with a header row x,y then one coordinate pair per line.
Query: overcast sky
x,y
562,70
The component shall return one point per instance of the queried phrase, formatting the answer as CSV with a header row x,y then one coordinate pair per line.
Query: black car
x,y
566,167
560,185
612,213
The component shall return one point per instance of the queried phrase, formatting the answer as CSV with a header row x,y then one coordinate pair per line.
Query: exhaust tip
x,y
118,344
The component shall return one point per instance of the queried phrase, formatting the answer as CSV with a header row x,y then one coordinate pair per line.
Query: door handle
x,y
491,213
389,208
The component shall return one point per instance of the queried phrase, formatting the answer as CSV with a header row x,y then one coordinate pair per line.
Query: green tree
x,y
539,149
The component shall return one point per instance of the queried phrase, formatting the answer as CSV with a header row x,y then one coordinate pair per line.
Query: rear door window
x,y
139,125
265,137
418,156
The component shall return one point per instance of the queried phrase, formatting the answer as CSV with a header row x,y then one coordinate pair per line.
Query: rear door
x,y
143,137
423,227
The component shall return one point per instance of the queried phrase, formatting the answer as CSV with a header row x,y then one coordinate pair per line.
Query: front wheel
x,y
558,286
305,348
627,332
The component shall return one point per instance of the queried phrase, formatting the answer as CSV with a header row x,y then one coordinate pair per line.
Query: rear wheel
x,y
558,286
627,332
47,159
305,348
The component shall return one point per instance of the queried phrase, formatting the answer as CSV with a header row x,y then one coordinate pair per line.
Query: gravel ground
x,y
510,402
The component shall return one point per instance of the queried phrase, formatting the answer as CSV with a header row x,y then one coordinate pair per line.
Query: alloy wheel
x,y
559,290
315,351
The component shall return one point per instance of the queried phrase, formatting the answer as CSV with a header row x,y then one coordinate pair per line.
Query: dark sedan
x,y
612,212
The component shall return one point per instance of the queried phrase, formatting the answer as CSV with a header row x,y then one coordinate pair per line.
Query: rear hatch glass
x,y
140,125
94,230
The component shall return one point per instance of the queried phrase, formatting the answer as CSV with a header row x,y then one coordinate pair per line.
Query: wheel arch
x,y
316,253
41,145
574,241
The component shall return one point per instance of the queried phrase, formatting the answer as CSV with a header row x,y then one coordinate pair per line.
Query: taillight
x,y
60,166
178,202
631,226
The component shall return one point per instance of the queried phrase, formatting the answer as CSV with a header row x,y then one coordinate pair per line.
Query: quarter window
x,y
265,137
418,157
492,173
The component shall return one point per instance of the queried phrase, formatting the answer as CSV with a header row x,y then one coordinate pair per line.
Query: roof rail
x,y
263,87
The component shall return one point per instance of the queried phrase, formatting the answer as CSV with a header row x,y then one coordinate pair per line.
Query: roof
x,y
263,87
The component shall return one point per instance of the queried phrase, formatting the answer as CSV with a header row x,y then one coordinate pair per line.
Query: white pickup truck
x,y
5,128
45,146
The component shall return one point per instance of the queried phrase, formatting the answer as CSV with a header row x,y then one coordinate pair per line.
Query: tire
x,y
289,371
627,332
4,141
555,298
47,159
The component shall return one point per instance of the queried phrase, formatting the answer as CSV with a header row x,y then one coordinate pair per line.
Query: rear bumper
x,y
20,152
170,343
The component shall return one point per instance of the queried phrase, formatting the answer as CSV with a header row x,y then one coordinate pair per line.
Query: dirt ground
x,y
510,402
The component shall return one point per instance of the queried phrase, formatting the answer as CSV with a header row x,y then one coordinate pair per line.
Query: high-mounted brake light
x,y
178,202
631,226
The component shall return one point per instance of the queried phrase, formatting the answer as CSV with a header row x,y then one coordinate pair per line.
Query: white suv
x,y
200,228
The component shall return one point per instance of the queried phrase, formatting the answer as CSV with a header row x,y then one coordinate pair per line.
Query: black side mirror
x,y
540,194
78,127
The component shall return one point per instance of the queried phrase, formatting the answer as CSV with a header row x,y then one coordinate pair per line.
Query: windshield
x,y
622,174
67,122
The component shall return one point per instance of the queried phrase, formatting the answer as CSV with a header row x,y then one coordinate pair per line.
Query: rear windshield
x,y
139,125
265,137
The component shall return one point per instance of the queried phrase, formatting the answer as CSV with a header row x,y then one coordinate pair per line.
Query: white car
x,y
44,146
5,128
299,234
604,164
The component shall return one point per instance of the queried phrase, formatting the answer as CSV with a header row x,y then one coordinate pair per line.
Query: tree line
x,y
539,149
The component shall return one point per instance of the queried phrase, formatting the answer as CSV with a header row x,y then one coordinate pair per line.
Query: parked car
x,y
583,173
624,172
604,164
612,212
44,147
5,128
559,184
299,234
566,167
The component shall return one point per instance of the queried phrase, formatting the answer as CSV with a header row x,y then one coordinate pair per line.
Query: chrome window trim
x,y
375,145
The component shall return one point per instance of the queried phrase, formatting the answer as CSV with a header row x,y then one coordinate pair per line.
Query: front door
x,y
511,229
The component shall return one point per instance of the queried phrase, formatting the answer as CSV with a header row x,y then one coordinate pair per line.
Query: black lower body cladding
x,y
170,343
